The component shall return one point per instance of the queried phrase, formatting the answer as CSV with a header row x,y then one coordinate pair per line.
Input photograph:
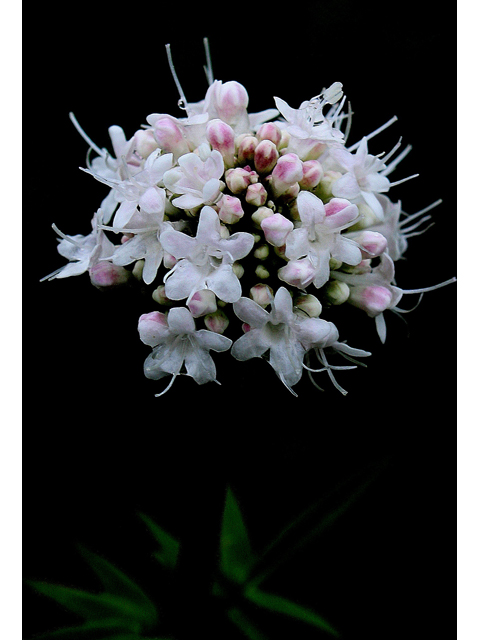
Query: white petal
x,y
180,321
251,345
224,283
177,243
153,200
211,340
250,312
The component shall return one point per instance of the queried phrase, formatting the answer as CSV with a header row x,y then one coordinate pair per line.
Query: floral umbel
x,y
249,224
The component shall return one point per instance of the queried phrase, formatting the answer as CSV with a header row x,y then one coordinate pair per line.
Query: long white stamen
x,y
397,160
374,133
101,152
435,286
157,395
322,357
411,217
393,151
208,67
419,233
183,104
397,310
51,275
394,184
65,237
416,224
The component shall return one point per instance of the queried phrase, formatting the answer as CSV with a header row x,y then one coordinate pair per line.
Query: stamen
x,y
397,310
322,357
374,133
411,217
101,152
172,380
426,289
394,184
281,376
65,237
208,67
182,103
419,233
397,160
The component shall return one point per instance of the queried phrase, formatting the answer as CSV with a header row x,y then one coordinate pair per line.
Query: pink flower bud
x,y
256,194
262,294
217,321
222,137
202,302
373,299
298,273
266,156
152,327
238,179
246,149
170,137
372,244
288,170
230,210
231,101
340,212
276,229
312,174
144,142
270,131
105,275
169,261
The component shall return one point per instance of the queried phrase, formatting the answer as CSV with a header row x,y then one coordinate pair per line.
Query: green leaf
x,y
97,630
249,629
236,557
287,607
103,606
118,584
169,546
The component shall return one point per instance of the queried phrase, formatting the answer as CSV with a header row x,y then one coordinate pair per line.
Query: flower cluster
x,y
257,219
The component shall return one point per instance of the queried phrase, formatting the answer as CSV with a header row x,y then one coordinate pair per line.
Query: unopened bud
x,y
372,244
231,101
367,218
336,292
261,272
144,142
313,150
170,137
230,209
312,174
137,270
105,275
298,273
284,140
276,229
288,171
202,302
262,294
221,137
256,194
238,179
309,304
324,188
238,269
270,131
152,327
372,299
246,146
340,212
217,321
160,297
265,157
260,214
262,252
169,261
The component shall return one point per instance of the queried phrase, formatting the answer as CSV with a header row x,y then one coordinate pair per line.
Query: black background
x,y
98,446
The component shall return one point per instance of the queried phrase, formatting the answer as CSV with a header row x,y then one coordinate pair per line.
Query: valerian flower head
x,y
230,220
176,344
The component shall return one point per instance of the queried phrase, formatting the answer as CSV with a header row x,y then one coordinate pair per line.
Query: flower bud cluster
x,y
266,222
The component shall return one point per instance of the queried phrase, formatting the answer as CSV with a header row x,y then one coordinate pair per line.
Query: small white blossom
x,y
197,180
206,261
176,344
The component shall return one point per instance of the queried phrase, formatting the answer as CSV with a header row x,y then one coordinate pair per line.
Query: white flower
x,y
205,262
141,190
83,252
363,179
177,343
197,180
287,336
319,238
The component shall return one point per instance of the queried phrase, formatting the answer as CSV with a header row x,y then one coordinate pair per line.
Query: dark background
x,y
98,446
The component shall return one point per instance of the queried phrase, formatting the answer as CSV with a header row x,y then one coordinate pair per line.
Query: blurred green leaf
x,y
96,630
104,606
169,546
287,607
117,583
236,556
249,629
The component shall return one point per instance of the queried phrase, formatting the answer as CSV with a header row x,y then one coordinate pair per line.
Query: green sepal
x,y
169,546
245,625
